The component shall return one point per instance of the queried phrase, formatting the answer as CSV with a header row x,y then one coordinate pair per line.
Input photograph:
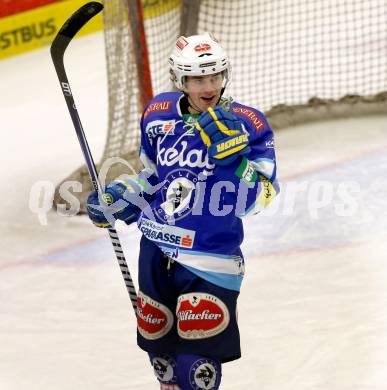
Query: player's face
x,y
204,91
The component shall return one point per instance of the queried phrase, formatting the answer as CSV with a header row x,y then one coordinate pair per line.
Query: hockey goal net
x,y
296,60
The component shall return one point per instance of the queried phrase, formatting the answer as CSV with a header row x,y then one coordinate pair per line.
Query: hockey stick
x,y
58,47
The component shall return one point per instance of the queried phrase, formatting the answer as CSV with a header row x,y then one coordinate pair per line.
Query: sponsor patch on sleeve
x,y
251,116
267,193
158,107
247,172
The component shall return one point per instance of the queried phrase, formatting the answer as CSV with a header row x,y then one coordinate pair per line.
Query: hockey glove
x,y
223,135
123,199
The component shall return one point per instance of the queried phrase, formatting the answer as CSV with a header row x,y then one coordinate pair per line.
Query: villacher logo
x,y
154,320
201,315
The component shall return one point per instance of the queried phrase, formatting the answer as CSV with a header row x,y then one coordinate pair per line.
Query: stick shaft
x,y
58,48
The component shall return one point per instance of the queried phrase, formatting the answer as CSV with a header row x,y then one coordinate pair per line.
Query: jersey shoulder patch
x,y
162,104
250,116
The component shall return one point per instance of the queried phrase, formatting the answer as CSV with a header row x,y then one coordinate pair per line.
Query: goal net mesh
x,y
287,56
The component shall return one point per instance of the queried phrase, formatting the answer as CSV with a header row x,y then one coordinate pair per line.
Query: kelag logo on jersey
x,y
155,128
167,234
182,155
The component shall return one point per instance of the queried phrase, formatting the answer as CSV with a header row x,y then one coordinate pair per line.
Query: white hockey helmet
x,y
198,55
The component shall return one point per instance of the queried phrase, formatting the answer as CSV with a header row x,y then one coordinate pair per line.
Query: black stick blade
x,y
72,25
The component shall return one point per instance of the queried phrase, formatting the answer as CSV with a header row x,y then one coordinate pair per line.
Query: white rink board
x,y
313,304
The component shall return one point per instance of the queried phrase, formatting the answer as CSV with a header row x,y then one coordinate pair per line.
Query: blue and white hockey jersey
x,y
195,216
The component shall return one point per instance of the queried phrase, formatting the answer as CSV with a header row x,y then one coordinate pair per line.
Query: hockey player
x,y
209,161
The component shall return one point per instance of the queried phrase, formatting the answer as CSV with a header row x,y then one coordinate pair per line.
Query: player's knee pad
x,y
198,372
164,367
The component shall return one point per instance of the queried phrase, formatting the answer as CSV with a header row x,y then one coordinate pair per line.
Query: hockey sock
x,y
198,372
164,367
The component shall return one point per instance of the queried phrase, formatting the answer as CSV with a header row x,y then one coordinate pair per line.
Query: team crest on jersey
x,y
155,128
178,195
201,315
154,320
203,375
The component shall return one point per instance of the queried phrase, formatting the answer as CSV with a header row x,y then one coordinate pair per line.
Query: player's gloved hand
x,y
123,199
223,134
113,204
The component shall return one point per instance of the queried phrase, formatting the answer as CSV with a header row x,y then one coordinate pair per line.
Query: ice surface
x,y
313,304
